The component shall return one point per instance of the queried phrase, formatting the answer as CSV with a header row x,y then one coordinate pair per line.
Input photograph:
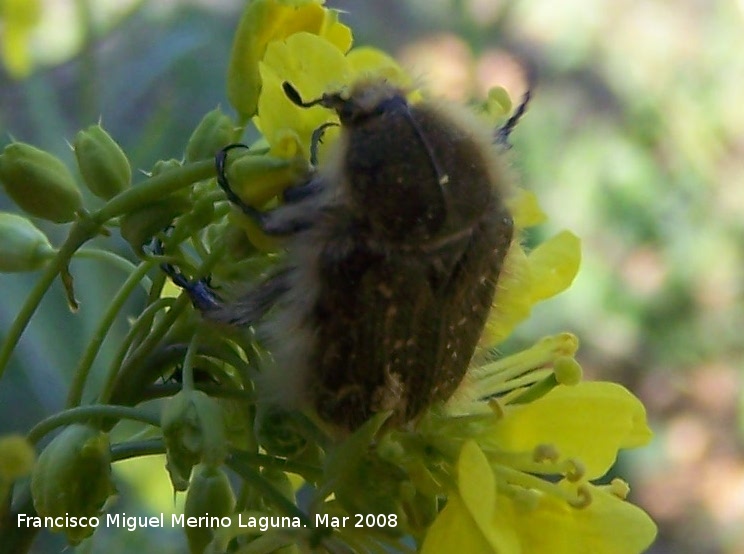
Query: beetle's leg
x,y
200,292
314,184
249,308
245,310
300,192
269,224
317,139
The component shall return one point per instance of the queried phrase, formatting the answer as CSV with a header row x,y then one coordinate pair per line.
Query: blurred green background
x,y
634,141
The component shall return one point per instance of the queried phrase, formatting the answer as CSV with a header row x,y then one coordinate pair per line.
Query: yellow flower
x,y
265,21
515,449
19,18
529,278
313,65
301,43
488,513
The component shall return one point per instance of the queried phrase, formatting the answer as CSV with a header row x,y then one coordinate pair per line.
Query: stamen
x,y
546,452
618,487
567,371
528,499
535,391
584,498
541,461
490,377
496,407
576,471
508,476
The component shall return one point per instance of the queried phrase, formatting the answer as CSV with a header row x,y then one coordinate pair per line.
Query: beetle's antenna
x,y
503,132
296,99
326,100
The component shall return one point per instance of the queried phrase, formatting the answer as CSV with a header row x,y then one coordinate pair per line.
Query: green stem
x,y
132,363
254,479
87,226
81,231
116,363
135,449
169,389
83,414
86,361
115,260
311,473
188,363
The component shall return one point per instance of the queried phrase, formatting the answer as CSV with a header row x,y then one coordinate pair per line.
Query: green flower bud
x,y
161,166
209,493
16,457
193,431
39,183
258,179
277,432
103,164
139,226
72,478
16,460
214,131
243,77
23,247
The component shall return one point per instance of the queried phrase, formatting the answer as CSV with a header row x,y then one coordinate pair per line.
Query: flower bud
x,y
161,166
139,226
16,460
103,164
209,493
278,433
214,131
23,247
72,478
193,431
258,179
39,183
16,457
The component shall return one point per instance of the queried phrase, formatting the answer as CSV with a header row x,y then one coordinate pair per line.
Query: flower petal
x,y
608,525
313,66
554,265
513,300
525,209
590,421
366,61
467,524
265,21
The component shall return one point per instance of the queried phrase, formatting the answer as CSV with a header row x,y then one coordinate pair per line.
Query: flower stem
x,y
254,479
113,259
86,361
87,226
80,232
188,362
143,320
135,449
84,413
